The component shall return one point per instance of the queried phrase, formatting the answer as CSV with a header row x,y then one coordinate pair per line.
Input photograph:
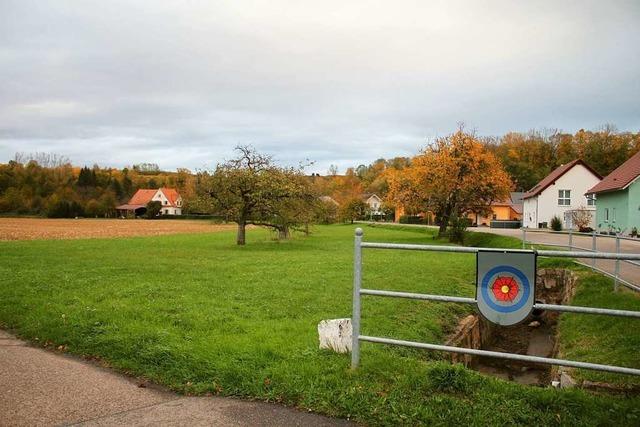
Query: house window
x,y
166,211
166,203
591,199
606,214
564,197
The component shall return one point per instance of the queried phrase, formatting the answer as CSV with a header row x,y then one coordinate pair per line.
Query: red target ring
x,y
505,288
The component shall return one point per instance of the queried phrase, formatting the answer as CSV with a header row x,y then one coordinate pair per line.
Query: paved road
x,y
39,387
628,272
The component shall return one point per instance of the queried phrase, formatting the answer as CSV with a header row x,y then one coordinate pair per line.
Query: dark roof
x,y
516,201
621,177
555,175
516,197
129,207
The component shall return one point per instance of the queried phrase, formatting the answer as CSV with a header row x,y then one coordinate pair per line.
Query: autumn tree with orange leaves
x,y
454,176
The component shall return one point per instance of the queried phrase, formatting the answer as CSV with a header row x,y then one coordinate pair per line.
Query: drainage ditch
x,y
536,336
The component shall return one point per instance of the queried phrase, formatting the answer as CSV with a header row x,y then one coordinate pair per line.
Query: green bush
x,y
457,227
556,223
153,209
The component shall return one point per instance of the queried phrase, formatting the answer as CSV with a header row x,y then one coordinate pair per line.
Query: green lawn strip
x,y
201,315
602,339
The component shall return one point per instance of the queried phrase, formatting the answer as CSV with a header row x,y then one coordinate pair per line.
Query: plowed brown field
x,y
41,228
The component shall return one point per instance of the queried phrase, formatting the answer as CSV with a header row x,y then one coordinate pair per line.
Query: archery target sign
x,y
505,285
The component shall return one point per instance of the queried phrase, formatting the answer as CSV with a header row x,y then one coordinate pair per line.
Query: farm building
x,y
502,210
374,202
618,195
559,194
169,199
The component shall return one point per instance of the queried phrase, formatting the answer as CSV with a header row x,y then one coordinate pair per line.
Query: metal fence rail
x,y
358,291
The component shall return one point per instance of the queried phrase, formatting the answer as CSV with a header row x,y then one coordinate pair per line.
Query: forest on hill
x,y
49,185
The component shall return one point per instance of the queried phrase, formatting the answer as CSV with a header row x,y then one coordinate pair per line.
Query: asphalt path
x,y
39,387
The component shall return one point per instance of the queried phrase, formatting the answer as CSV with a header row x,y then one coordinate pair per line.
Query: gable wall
x,y
579,179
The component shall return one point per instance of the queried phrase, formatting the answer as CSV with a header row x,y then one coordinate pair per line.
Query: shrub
x,y
581,217
634,232
354,209
457,227
556,223
153,209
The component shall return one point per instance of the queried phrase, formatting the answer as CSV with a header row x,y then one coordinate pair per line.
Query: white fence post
x,y
571,239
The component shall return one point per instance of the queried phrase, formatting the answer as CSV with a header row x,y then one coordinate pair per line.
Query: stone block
x,y
335,334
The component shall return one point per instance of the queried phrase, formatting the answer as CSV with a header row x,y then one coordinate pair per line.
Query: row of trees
x,y
529,157
526,157
57,189
452,177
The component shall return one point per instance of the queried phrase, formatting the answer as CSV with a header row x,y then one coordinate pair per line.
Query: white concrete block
x,y
335,334
566,381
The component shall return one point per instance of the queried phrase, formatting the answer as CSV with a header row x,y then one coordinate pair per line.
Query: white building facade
x,y
559,194
374,202
170,200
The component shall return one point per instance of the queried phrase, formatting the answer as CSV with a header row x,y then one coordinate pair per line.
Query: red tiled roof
x,y
555,175
621,177
142,197
171,194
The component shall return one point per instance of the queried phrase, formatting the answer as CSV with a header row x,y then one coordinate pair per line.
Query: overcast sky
x,y
344,82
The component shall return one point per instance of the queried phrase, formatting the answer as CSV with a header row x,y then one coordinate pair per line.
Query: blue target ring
x,y
526,288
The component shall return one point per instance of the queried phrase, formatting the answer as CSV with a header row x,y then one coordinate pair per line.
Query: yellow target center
x,y
505,289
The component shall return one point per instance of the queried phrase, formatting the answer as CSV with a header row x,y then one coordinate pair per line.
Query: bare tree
x,y
46,160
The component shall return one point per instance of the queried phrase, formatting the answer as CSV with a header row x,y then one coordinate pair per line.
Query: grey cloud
x,y
180,84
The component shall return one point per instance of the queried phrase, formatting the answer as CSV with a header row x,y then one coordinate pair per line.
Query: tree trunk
x,y
242,226
283,233
444,221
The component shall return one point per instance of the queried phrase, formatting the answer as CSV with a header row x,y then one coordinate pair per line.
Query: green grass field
x,y
201,315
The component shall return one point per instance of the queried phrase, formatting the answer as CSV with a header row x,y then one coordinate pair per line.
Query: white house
x,y
560,193
169,199
374,202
